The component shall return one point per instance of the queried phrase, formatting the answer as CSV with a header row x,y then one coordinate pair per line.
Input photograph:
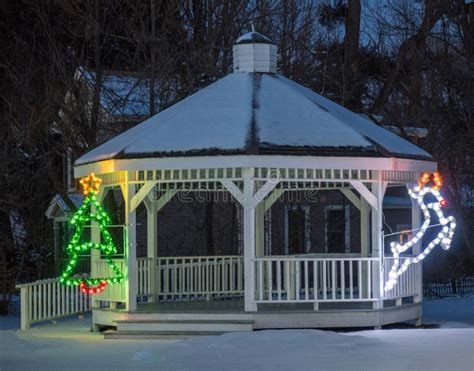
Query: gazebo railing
x,y
199,276
409,284
48,300
113,293
282,279
314,280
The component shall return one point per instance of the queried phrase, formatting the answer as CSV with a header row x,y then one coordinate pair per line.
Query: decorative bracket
x,y
258,197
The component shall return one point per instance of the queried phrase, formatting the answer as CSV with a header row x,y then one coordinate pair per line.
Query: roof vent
x,y
254,52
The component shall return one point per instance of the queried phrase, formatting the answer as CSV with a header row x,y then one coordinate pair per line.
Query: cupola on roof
x,y
255,52
255,111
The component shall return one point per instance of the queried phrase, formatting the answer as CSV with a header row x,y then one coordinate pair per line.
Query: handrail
x,y
409,284
48,299
298,258
197,276
29,284
315,280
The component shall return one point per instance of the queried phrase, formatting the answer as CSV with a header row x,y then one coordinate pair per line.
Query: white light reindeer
x,y
444,237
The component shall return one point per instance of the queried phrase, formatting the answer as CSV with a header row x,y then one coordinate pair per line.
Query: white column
x,y
416,224
364,239
249,199
152,246
260,229
378,190
25,307
364,227
95,237
130,249
249,239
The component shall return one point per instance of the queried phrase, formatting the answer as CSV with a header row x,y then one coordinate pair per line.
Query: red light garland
x,y
92,290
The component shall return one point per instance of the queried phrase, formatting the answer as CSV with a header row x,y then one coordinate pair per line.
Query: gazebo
x,y
256,135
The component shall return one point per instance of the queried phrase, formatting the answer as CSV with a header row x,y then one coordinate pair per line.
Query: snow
x,y
219,117
253,36
450,312
122,95
285,117
385,138
70,345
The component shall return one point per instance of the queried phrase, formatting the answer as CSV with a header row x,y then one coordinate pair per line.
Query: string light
x,y
443,238
90,183
87,285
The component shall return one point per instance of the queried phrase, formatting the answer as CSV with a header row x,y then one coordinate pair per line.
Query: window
x,y
338,229
297,230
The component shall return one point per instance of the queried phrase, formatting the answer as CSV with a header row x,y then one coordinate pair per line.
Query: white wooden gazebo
x,y
256,135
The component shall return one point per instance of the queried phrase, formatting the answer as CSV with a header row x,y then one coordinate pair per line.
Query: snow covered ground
x,y
70,346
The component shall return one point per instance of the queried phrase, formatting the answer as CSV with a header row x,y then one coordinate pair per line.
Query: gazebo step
x,y
171,335
185,325
239,321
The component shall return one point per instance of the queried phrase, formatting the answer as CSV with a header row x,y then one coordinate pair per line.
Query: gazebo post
x,y
249,239
378,190
95,237
364,238
152,244
416,224
153,207
260,230
130,247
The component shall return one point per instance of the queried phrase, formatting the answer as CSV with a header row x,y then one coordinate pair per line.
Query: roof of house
x,y
63,206
122,94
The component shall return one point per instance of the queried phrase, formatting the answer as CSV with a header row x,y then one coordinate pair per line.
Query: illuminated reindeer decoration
x,y
444,237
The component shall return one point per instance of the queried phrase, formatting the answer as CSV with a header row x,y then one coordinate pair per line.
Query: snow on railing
x,y
314,280
409,284
199,276
48,300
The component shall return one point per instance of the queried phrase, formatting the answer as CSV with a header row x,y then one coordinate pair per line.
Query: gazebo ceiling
x,y
250,113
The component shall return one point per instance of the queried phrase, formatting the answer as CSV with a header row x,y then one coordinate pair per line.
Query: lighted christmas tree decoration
x,y
443,238
80,219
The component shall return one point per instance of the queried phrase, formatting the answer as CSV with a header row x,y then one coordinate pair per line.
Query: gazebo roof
x,y
256,114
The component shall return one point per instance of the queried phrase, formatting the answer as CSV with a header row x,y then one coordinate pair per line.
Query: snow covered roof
x,y
121,94
252,113
255,113
63,206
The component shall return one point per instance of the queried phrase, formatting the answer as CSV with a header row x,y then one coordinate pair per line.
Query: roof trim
x,y
240,160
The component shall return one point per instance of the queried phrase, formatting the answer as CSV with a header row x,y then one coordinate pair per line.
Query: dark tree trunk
x,y
351,87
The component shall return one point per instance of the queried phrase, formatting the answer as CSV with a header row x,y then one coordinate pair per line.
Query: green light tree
x,y
81,217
